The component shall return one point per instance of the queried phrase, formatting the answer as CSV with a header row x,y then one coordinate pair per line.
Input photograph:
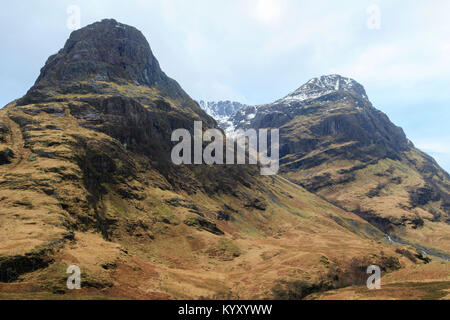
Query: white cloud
x,y
268,11
438,148
436,145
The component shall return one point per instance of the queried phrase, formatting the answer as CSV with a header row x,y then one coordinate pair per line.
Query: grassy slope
x,y
428,282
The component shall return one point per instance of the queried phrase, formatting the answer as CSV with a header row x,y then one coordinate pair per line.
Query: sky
x,y
257,51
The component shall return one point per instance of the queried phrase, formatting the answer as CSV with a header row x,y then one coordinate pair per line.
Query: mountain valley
x,y
86,179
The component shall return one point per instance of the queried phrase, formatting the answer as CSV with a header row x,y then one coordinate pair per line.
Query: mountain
x,y
318,87
336,144
86,179
221,111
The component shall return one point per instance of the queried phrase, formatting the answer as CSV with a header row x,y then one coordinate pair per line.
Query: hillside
x,y
336,144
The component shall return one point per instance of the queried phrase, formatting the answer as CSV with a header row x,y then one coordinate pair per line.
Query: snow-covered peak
x,y
221,111
318,87
218,109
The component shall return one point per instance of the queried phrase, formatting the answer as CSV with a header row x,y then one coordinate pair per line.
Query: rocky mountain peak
x,y
95,57
326,84
103,51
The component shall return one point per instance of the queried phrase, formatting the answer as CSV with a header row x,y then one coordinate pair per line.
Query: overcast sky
x,y
256,51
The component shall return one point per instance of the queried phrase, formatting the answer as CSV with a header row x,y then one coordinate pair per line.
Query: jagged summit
x,y
326,84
